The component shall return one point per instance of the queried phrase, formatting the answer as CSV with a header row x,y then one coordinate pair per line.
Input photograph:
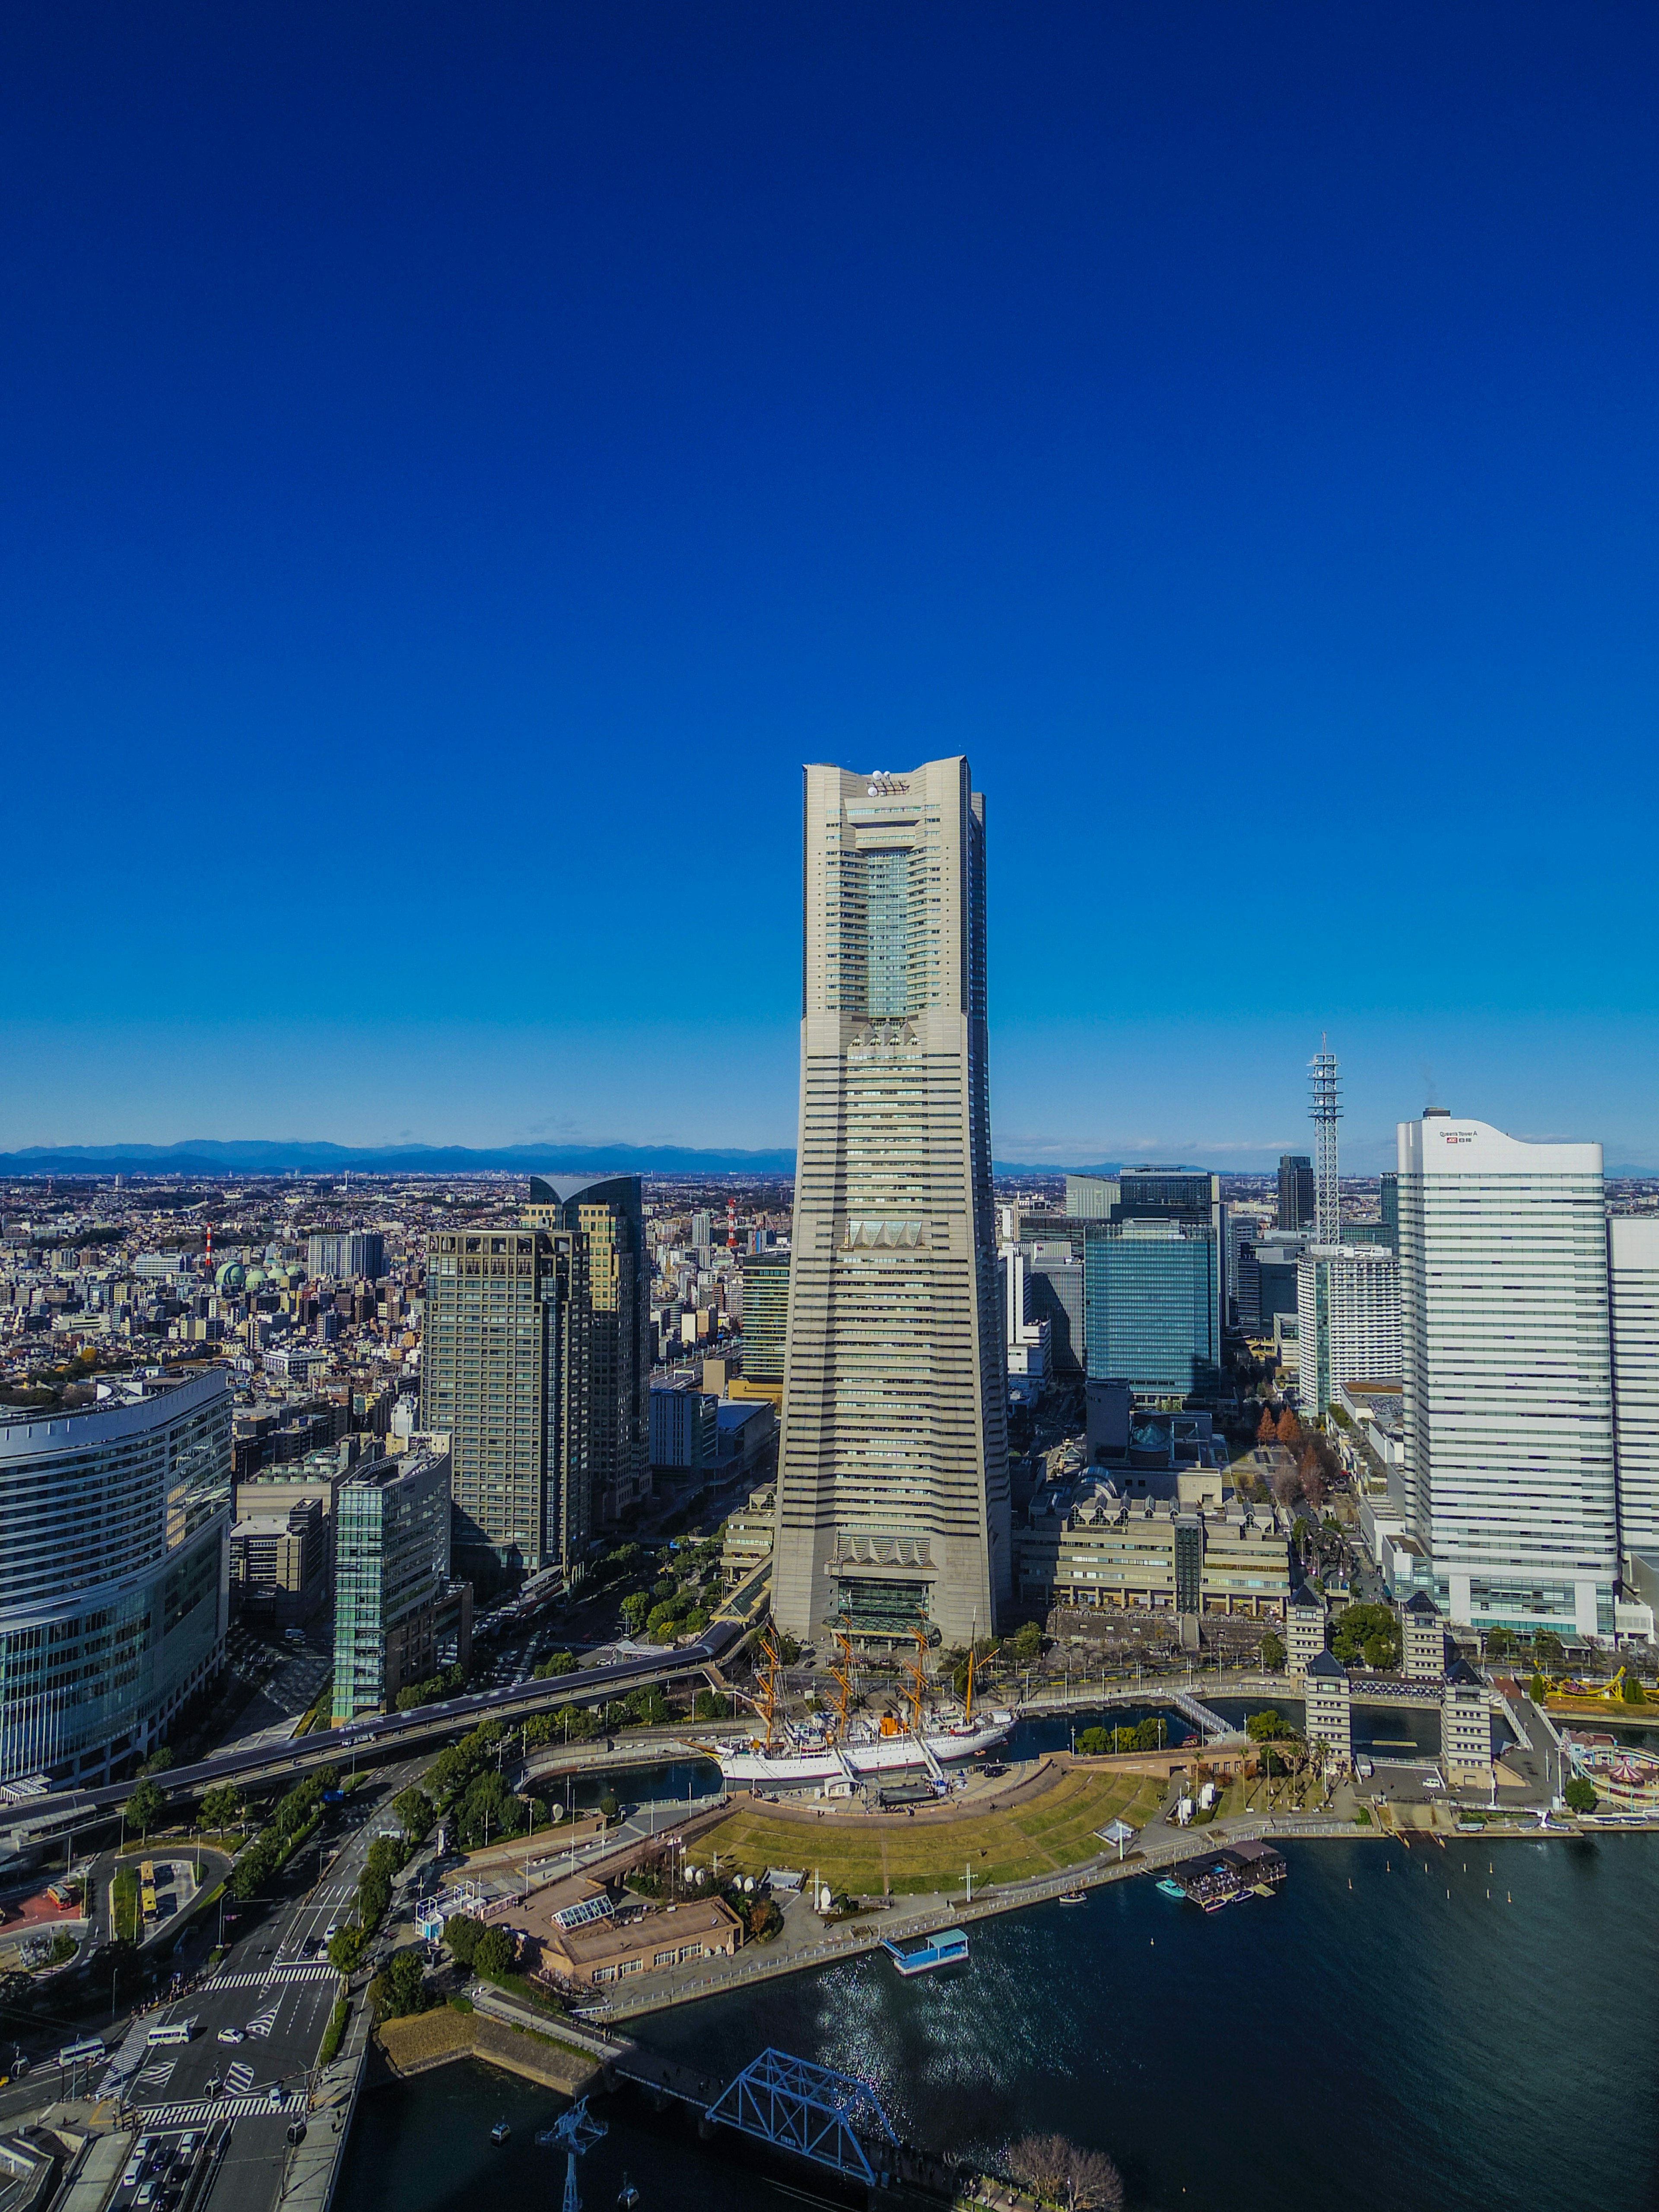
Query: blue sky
x,y
456,464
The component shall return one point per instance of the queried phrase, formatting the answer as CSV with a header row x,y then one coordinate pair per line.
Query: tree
x,y
1028,1643
1289,1430
221,1806
414,1812
1082,2180
493,1953
1312,1477
461,1934
146,1805
1271,1649
1580,1795
635,1611
1268,1726
1266,1430
1547,1650
1538,1689
1356,1625
400,1987
1095,1741
345,1950
712,1706
1379,1653
1502,1643
158,1761
1632,1693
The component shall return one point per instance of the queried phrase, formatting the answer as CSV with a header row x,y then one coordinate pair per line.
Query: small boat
x,y
1172,1889
1075,1896
499,2132
949,1948
627,2196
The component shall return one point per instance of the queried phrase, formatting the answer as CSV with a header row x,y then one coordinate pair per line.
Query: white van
x,y
173,2031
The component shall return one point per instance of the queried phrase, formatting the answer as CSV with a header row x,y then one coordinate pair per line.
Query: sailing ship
x,y
839,1749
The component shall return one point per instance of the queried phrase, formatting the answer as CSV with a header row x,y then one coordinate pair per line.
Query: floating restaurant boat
x,y
1227,1877
949,1948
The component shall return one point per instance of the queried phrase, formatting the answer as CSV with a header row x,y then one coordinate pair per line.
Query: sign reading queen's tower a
x,y
893,1508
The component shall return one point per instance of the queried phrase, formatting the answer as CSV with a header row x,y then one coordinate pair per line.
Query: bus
x,y
173,2031
79,2054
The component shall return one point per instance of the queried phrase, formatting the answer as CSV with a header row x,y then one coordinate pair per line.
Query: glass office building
x,y
114,1593
390,1563
1152,1306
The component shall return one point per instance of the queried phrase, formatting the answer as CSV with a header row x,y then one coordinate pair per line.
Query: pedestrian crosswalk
x,y
201,2115
318,1969
158,2075
238,2078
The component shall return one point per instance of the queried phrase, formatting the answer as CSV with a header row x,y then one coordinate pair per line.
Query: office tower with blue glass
x,y
1153,1285
893,1503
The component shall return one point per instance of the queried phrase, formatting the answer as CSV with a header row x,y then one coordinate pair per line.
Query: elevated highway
x,y
36,1820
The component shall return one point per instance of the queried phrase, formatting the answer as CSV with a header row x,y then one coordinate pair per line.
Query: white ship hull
x,y
798,1765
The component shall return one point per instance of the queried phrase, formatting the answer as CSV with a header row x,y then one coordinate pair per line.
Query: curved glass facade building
x,y
113,1572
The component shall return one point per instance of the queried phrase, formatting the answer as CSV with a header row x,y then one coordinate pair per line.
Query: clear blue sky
x,y
459,463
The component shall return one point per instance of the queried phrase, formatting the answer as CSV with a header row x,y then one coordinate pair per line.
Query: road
x,y
273,1995
424,1727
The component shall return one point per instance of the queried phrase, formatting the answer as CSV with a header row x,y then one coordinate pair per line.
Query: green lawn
x,y
865,1858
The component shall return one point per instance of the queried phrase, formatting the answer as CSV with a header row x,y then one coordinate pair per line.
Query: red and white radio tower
x,y
731,1224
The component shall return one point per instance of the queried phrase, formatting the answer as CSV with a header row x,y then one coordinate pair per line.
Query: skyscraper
x,y
765,1318
536,1364
1507,1374
893,1479
390,1562
1347,1327
1633,1273
1296,1191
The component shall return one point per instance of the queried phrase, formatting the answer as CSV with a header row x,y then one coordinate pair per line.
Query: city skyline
x,y
1239,425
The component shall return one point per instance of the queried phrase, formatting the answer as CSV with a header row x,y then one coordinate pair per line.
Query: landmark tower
x,y
893,1477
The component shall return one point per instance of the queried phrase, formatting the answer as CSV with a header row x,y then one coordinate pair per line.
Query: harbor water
x,y
1465,2029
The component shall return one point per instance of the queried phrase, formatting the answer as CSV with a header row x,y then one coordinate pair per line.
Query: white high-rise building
x,y
1347,1319
893,1503
1633,1274
1507,1375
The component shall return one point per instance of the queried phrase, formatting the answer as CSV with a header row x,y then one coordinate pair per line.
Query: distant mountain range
x,y
205,1156
210,1156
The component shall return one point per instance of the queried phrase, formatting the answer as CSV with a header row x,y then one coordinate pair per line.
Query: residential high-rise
x,y
347,1254
391,1561
608,1212
1296,1191
765,1316
1633,1274
536,1364
893,1503
1507,1406
1347,1319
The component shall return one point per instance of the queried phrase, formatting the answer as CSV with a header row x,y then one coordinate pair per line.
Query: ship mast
x,y
841,1673
968,1703
767,1704
918,1678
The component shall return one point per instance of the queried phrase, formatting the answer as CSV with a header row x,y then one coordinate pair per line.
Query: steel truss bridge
x,y
831,2118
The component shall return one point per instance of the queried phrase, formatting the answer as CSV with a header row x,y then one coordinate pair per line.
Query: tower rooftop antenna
x,y
1327,1110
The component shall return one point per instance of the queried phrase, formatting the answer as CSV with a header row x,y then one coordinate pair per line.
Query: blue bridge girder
x,y
827,2117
